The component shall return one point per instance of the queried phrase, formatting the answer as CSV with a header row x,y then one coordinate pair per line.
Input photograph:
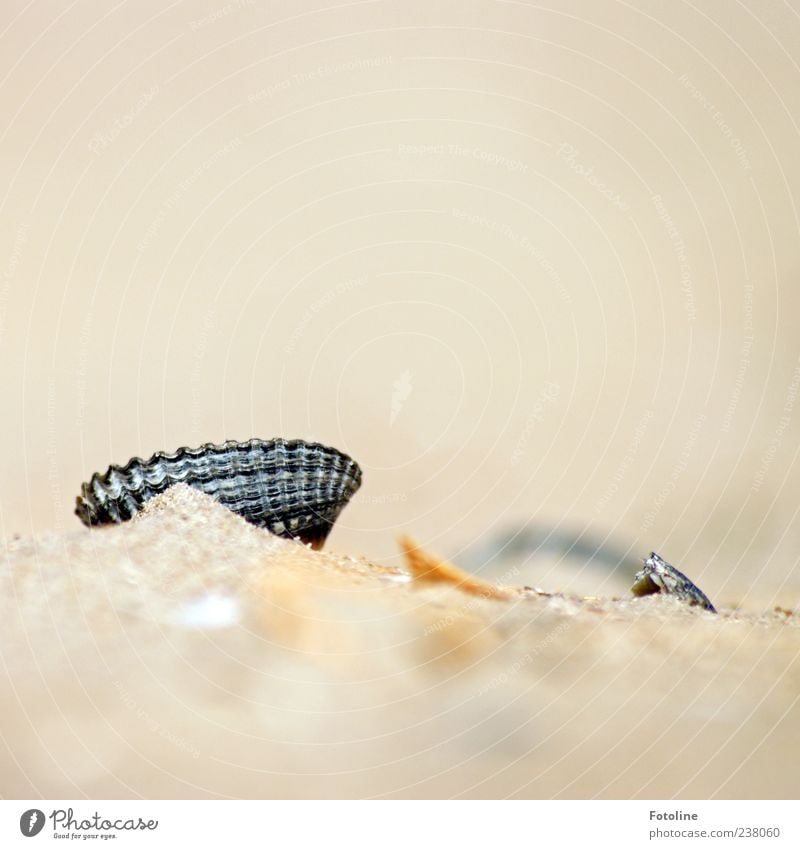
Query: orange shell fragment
x,y
427,568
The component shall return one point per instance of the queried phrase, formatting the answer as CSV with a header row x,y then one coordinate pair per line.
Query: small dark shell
x,y
659,576
294,489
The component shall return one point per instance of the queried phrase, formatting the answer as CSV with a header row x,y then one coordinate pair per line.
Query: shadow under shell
x,y
292,488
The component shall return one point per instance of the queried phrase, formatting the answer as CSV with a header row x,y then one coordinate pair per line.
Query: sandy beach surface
x,y
189,654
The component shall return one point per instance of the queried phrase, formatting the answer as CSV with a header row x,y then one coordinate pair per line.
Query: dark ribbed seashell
x,y
294,489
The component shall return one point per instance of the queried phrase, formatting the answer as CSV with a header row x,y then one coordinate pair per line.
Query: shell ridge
x,y
291,487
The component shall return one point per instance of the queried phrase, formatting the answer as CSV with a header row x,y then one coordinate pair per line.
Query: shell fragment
x,y
660,576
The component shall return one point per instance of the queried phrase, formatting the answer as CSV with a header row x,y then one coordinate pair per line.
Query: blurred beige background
x,y
522,264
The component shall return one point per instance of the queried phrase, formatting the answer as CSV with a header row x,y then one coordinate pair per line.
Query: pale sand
x,y
189,654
